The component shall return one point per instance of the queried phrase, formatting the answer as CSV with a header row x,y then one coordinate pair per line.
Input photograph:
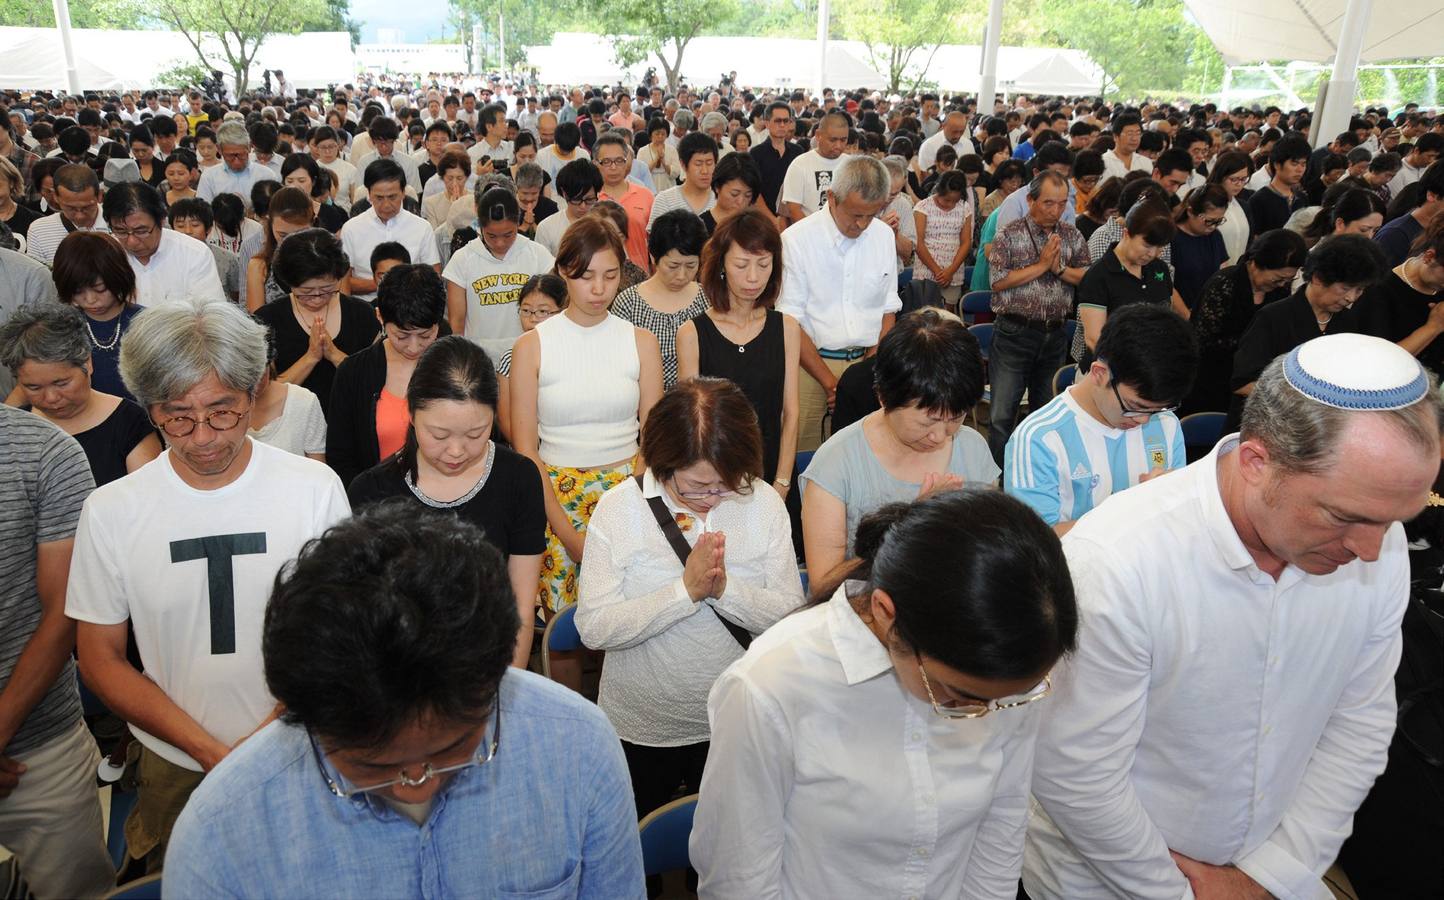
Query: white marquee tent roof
x,y
32,58
1250,31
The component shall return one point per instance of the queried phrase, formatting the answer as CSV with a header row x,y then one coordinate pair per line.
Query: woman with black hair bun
x,y
880,742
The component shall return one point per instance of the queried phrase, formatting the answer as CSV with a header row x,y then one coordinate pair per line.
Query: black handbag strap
x,y
673,533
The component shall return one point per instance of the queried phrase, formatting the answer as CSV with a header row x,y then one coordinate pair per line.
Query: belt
x,y
1044,325
847,354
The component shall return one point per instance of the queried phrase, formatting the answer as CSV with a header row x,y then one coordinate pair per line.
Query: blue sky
x,y
422,20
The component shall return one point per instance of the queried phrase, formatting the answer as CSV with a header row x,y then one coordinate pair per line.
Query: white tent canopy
x,y
31,58
588,59
1251,31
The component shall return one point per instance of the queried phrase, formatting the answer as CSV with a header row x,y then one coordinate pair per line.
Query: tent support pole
x,y
1226,87
1338,106
988,74
824,17
62,21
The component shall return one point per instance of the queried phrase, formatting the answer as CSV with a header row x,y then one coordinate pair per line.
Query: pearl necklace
x,y
1403,273
115,339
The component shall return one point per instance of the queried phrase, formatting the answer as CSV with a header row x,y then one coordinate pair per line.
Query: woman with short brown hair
x,y
743,339
92,274
683,564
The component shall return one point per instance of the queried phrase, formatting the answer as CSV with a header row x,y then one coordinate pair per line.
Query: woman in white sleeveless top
x,y
582,384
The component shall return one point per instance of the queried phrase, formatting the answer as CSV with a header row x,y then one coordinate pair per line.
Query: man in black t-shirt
x,y
1271,205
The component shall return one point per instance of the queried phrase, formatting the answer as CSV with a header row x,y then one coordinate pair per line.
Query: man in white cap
x,y
1232,698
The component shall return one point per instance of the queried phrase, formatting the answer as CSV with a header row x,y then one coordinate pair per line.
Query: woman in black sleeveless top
x,y
742,338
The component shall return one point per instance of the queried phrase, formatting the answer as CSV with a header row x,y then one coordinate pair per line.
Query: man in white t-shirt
x,y
953,133
804,187
484,279
385,184
186,549
168,265
492,141
1124,157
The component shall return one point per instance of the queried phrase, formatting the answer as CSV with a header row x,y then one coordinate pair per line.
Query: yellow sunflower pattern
x,y
578,491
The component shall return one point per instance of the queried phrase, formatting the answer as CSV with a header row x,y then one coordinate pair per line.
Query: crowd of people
x,y
321,405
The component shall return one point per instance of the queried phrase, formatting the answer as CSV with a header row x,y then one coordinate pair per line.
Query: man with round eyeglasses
x,y
185,550
411,760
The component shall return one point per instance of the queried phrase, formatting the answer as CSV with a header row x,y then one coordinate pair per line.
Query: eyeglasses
x,y
612,163
141,233
701,495
1214,223
978,710
536,313
315,293
485,753
1237,179
583,202
220,420
1137,413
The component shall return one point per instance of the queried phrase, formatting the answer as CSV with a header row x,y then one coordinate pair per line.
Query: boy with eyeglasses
x,y
186,550
1115,427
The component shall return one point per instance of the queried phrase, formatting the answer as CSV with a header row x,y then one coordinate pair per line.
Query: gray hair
x,y
487,182
864,176
684,119
233,133
712,120
1047,176
44,333
1302,434
896,166
529,175
170,349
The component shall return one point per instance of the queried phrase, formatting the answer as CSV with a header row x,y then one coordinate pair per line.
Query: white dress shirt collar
x,y
861,654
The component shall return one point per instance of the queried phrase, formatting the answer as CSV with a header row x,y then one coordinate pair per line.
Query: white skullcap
x,y
1356,371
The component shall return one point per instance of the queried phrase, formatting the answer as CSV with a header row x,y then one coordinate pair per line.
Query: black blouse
x,y
359,329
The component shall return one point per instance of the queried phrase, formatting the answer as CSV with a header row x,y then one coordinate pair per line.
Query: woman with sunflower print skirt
x,y
582,384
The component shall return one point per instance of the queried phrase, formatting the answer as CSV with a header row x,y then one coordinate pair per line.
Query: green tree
x,y
232,31
1142,46
662,28
900,34
124,14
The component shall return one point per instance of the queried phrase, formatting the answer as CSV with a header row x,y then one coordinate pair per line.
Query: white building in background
x,y
399,58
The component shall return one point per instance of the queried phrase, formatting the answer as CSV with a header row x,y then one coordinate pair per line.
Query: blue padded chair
x,y
147,888
664,833
1201,430
984,334
560,637
976,303
121,803
1064,377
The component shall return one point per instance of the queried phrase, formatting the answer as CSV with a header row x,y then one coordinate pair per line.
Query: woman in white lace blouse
x,y
669,630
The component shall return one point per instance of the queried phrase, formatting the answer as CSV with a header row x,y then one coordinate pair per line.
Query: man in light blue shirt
x,y
1052,155
410,759
239,173
1115,427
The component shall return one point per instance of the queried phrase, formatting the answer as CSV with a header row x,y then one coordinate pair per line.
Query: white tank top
x,y
588,391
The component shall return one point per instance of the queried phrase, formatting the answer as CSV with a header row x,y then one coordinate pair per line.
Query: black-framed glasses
x,y
219,420
1137,413
485,752
976,710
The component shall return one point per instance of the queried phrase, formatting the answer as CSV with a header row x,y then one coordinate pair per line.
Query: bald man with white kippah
x,y
1232,698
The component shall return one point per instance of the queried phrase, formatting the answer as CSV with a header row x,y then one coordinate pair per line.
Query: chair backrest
x,y
560,636
984,334
1202,429
1064,377
978,302
147,888
121,803
664,833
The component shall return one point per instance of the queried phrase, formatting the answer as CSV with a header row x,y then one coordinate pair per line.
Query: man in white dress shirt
x,y
840,284
954,133
169,266
385,185
1232,698
1124,157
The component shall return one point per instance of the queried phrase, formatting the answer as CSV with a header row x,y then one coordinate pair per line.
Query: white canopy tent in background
x,y
31,58
574,58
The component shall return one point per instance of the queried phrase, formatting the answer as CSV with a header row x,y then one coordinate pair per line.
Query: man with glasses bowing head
x,y
185,550
410,759
1232,698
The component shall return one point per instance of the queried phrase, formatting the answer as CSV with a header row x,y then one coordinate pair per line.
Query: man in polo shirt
x,y
169,266
385,221
1033,266
1115,427
1124,157
1426,151
1397,238
383,133
77,198
805,187
775,154
1271,205
238,173
613,157
840,283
